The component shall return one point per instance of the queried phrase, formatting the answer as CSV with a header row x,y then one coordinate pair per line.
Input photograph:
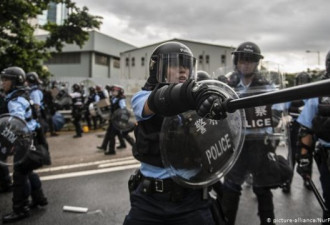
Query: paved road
x,y
82,176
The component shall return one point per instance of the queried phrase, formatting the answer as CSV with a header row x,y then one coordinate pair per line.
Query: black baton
x,y
312,90
317,195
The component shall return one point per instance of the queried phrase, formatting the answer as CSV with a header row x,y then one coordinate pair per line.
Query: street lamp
x,y
318,55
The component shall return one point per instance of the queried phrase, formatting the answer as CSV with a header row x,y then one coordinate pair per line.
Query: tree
x,y
18,45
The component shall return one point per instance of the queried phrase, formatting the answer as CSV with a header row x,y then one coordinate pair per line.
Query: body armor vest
x,y
321,122
78,100
147,147
115,106
21,93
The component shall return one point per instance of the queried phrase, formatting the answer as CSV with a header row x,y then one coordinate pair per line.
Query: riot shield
x,y
103,108
92,108
197,151
15,140
266,152
123,120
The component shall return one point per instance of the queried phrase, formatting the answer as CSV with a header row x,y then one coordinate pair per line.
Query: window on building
x,y
207,59
127,62
116,63
142,61
101,59
223,59
133,61
64,58
200,59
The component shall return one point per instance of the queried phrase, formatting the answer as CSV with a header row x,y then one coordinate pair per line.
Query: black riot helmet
x,y
33,78
118,89
202,75
167,55
303,78
248,51
91,90
76,88
327,62
16,74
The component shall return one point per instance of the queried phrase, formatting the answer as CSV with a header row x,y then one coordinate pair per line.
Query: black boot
x,y
110,152
38,199
265,205
16,214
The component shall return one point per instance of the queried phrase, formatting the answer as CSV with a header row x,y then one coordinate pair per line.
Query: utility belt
x,y
152,186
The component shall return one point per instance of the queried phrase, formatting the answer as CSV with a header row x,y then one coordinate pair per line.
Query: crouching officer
x,y
155,197
315,121
17,100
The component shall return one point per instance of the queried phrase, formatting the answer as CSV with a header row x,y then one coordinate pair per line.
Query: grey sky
x,y
283,29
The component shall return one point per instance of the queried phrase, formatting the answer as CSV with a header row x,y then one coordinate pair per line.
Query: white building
x,y
134,63
97,61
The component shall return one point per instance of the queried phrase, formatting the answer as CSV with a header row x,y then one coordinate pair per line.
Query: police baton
x,y
315,89
317,194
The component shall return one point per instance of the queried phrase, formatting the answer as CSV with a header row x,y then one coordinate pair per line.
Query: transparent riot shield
x,y
123,120
266,152
103,108
15,140
92,108
197,151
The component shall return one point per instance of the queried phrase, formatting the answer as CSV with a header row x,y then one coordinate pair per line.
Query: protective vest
x,y
115,106
3,106
147,147
24,94
77,101
321,122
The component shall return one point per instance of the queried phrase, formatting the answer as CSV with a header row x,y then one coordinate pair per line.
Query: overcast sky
x,y
283,29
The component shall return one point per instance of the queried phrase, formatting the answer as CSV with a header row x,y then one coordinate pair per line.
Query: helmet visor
x,y
247,63
175,68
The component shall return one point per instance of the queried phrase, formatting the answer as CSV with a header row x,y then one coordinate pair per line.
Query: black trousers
x,y
157,208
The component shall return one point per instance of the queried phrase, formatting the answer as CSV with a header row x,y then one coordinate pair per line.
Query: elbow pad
x,y
172,99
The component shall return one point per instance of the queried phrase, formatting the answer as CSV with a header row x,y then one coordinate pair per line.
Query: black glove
x,y
169,100
304,167
212,107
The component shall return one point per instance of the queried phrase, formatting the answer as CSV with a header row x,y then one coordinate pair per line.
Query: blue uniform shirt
x,y
18,107
36,96
307,115
146,169
122,102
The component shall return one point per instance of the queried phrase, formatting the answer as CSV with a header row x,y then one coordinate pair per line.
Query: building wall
x,y
215,54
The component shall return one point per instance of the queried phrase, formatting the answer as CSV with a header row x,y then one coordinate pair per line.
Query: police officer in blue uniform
x,y
294,111
315,122
257,155
155,197
18,104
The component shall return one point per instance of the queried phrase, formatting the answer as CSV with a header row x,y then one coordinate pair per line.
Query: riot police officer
x,y
92,97
118,101
202,75
294,111
167,92
315,121
5,179
257,151
77,109
18,104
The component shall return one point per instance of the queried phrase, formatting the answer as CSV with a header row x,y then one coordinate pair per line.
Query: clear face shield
x,y
247,64
176,68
